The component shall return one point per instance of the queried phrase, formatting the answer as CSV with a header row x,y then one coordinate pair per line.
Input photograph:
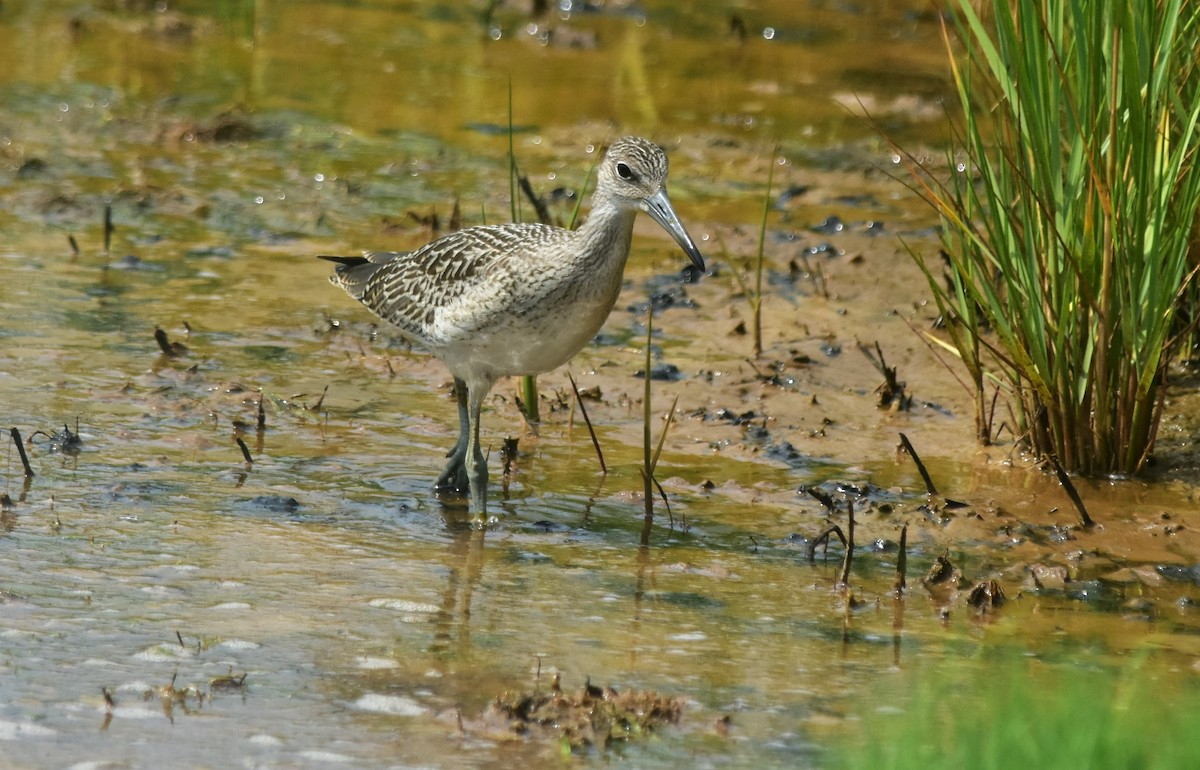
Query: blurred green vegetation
x,y
1008,711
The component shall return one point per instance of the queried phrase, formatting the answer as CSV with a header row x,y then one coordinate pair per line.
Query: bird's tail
x,y
354,273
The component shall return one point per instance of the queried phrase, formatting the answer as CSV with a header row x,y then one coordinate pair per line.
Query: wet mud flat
x,y
166,578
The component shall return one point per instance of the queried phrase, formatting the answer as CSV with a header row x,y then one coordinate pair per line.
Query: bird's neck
x,y
606,235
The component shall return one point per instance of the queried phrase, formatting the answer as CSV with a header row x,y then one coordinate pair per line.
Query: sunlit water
x,y
366,618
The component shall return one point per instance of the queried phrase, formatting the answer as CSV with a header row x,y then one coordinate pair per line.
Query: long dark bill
x,y
659,207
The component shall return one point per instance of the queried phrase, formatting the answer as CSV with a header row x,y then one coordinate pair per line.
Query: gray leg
x,y
454,477
477,465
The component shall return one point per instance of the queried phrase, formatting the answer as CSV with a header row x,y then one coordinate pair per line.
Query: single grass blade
x,y
587,421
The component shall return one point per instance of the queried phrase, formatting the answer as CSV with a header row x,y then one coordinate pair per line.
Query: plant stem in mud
x,y
539,205
587,421
1072,492
756,301
108,227
245,450
16,437
582,191
650,460
908,447
647,473
849,560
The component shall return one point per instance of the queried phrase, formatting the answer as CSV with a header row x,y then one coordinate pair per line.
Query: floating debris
x,y
662,372
892,393
170,697
943,573
169,349
986,595
275,503
228,682
231,125
32,167
63,441
592,716
789,194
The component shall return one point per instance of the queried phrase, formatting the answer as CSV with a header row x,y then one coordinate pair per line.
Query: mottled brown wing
x,y
407,289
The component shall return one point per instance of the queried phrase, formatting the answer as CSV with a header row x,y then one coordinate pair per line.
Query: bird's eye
x,y
624,171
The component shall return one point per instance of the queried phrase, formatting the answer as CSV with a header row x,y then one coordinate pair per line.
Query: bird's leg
x,y
477,465
454,477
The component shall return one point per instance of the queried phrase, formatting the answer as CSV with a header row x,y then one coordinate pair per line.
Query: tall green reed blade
x,y
578,398
529,389
513,199
755,296
1069,222
649,457
647,475
757,300
574,220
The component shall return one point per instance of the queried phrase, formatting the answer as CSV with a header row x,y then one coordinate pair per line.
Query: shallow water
x,y
234,144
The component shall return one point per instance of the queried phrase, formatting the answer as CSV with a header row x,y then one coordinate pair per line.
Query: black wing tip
x,y
346,261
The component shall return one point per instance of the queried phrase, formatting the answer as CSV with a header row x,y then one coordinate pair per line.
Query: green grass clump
x,y
1013,712
1068,225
